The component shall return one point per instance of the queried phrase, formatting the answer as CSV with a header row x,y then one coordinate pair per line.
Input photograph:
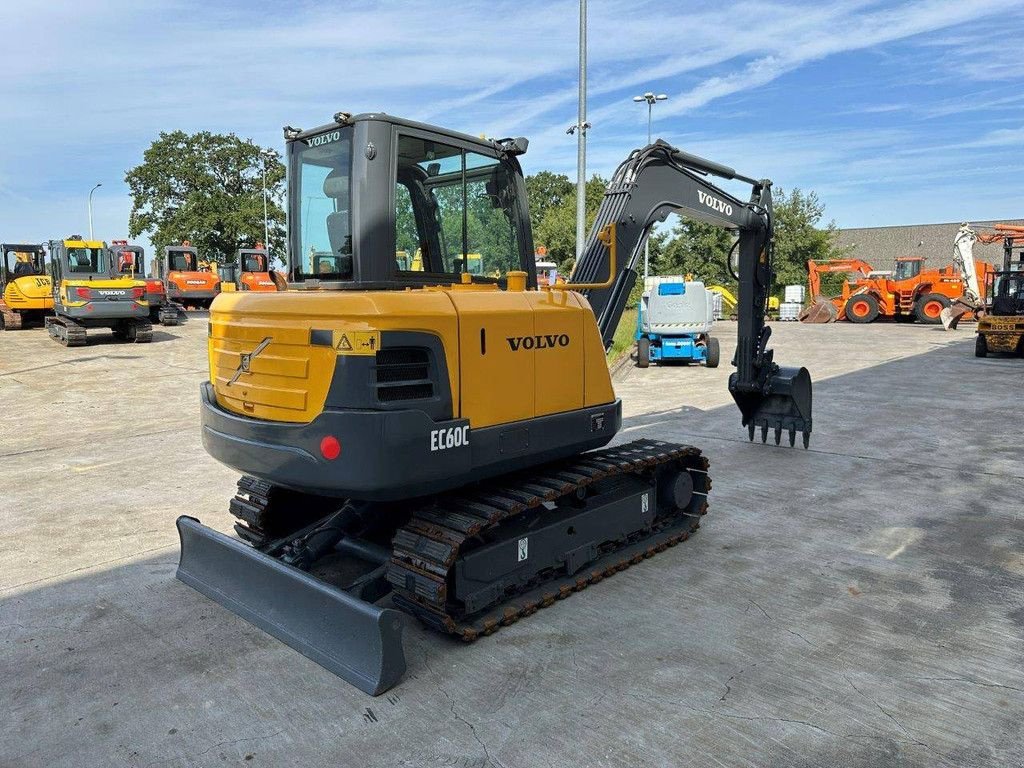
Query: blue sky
x,y
895,113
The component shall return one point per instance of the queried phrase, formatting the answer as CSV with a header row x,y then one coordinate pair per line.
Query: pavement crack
x,y
779,720
794,632
889,715
762,610
472,728
969,681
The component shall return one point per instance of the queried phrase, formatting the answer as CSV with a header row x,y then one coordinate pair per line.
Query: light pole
x,y
98,185
650,98
266,230
580,129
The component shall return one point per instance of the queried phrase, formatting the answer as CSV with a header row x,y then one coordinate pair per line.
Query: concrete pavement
x,y
858,604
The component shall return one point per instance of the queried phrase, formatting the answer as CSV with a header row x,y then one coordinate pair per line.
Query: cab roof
x,y
385,117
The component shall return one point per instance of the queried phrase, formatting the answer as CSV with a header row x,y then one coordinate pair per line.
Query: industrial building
x,y
880,245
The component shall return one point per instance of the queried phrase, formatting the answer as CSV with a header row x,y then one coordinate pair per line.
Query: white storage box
x,y
794,294
790,310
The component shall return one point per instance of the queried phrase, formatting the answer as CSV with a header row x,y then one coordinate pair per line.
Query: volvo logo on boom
x,y
714,203
546,341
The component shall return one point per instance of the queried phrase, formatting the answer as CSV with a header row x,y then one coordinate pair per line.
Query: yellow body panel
x,y
290,378
511,355
1002,334
29,292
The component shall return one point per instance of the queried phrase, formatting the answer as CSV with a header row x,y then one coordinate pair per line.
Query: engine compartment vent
x,y
403,373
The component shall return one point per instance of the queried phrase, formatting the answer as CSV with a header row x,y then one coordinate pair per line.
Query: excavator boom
x,y
656,181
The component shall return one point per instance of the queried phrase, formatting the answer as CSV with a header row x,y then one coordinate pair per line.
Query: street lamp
x,y
266,230
98,185
651,99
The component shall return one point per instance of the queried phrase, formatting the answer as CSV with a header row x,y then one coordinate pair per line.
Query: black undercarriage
x,y
469,561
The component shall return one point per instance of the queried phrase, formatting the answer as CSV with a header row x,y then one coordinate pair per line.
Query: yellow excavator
x,y
26,292
89,293
416,433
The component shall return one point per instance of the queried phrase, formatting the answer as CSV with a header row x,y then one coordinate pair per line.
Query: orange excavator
x,y
254,267
189,282
908,292
824,310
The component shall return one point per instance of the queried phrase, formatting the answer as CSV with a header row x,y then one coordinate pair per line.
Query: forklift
x,y
128,259
1001,327
87,294
26,293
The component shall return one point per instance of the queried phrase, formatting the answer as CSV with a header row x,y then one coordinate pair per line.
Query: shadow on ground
x,y
861,603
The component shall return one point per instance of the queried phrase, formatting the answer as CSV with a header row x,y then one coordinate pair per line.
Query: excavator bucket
x,y
356,640
951,315
820,310
784,407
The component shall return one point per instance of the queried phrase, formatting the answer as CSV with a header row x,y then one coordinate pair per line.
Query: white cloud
x,y
88,85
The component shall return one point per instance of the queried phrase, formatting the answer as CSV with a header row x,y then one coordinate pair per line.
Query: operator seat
x,y
336,187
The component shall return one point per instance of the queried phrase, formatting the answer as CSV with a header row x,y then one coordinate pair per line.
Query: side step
x,y
356,640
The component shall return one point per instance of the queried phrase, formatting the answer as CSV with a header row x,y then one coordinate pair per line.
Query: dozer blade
x,y
819,311
784,407
358,641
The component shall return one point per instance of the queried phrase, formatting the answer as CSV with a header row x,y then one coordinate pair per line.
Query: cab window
x,y
455,211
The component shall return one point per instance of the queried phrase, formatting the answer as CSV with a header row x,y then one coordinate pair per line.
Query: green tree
x,y
692,247
799,237
547,190
556,218
207,188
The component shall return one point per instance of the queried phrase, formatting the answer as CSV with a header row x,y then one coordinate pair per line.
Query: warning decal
x,y
357,342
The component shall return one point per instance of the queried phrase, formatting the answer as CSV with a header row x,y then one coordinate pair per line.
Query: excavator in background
x,y
438,436
909,292
26,291
254,269
973,299
88,293
190,282
130,260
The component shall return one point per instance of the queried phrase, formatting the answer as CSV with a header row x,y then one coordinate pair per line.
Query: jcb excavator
x,y
438,435
26,292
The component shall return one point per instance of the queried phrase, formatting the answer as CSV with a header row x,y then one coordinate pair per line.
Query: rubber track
x,y
426,549
66,332
143,332
11,319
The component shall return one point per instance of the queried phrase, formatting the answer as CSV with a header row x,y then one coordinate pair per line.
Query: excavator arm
x,y
649,185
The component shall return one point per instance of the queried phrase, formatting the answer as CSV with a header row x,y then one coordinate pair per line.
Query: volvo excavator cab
x,y
89,293
445,426
26,292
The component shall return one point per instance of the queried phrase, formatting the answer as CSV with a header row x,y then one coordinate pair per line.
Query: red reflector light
x,y
138,293
83,293
330,448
